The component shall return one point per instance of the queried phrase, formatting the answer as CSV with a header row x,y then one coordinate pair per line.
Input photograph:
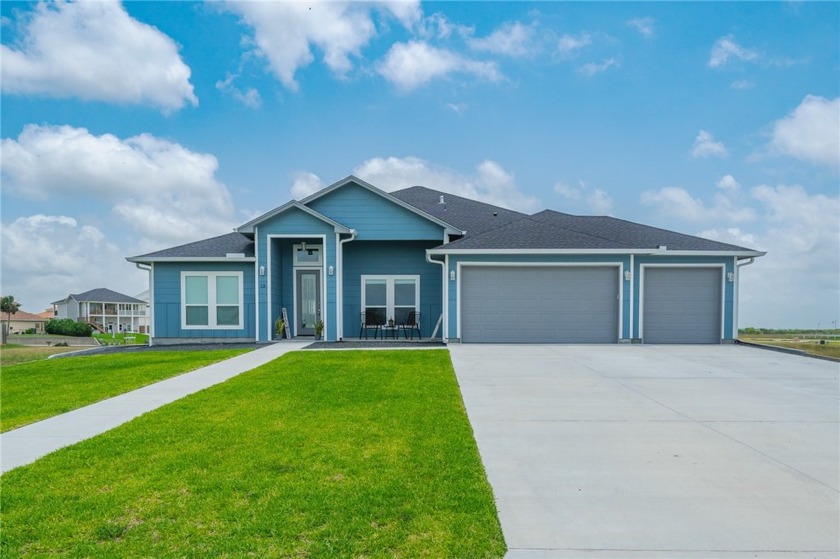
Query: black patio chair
x,y
412,324
375,324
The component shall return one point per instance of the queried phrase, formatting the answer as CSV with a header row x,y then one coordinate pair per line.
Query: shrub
x,y
67,327
30,331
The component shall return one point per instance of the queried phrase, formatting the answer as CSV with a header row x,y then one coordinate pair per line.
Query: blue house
x,y
467,271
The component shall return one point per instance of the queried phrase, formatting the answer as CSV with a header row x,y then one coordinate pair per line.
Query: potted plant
x,y
319,329
279,328
390,323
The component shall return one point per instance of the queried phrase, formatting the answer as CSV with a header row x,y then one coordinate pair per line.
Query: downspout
x,y
151,300
735,328
340,287
443,295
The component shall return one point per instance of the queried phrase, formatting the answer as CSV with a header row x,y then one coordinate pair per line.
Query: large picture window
x,y
211,300
390,297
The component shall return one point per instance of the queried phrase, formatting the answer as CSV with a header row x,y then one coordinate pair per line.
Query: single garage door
x,y
682,306
539,304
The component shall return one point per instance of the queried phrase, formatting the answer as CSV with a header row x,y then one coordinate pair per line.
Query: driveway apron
x,y
657,451
26,444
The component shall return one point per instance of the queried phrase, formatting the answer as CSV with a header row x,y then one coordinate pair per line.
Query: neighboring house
x,y
475,273
109,310
22,321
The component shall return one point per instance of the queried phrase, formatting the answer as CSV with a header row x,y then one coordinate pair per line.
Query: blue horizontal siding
x,y
374,217
167,299
390,258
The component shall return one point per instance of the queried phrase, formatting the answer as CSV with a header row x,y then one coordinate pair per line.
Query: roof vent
x,y
662,247
495,214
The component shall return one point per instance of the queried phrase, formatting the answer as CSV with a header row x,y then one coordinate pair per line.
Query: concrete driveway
x,y
657,451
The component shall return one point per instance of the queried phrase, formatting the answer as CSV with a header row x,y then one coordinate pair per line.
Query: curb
x,y
788,350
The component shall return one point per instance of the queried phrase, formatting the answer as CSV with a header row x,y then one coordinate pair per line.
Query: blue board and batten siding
x,y
387,259
168,303
374,217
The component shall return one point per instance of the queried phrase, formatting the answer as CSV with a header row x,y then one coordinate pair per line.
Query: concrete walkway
x,y
25,445
607,452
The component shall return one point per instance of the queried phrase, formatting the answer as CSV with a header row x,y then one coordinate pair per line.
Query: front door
x,y
308,301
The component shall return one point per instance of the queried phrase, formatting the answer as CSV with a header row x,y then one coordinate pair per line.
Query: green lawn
x,y
830,349
119,338
317,454
14,354
40,389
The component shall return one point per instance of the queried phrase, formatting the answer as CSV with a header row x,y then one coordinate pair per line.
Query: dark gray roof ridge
x,y
104,295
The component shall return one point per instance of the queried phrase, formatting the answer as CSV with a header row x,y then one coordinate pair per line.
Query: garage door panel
x,y
682,305
539,304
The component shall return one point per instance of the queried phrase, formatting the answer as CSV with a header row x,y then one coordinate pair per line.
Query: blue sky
x,y
132,127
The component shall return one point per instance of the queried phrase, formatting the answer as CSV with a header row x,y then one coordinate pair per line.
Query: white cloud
x,y
490,182
95,51
569,44
162,190
249,97
678,202
510,39
728,182
643,25
705,146
306,184
592,68
726,48
811,132
597,201
285,32
414,64
46,257
437,26
458,108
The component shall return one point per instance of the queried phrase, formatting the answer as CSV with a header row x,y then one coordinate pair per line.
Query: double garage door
x,y
530,304
502,304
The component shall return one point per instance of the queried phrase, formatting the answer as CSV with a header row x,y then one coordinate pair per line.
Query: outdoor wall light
x,y
262,270
730,277
331,271
627,275
451,275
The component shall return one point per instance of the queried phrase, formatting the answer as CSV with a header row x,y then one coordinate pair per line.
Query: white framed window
x,y
389,297
211,300
308,255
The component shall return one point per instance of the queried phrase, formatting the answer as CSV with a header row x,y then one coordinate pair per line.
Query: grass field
x,y
14,354
830,349
317,454
106,339
40,389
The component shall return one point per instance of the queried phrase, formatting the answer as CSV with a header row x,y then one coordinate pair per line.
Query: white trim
x,y
152,304
142,260
632,293
324,315
257,287
446,298
211,301
337,227
592,251
618,265
339,295
642,268
389,291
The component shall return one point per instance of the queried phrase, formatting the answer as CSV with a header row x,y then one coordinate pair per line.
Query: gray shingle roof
x,y
629,233
103,295
216,247
467,215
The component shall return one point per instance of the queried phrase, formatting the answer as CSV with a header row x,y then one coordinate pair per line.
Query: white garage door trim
x,y
642,267
619,266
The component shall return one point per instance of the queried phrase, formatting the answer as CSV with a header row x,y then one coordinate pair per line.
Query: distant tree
x,y
9,306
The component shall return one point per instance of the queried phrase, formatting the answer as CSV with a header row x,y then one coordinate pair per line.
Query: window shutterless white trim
x,y
389,291
299,264
642,267
619,266
257,286
211,301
